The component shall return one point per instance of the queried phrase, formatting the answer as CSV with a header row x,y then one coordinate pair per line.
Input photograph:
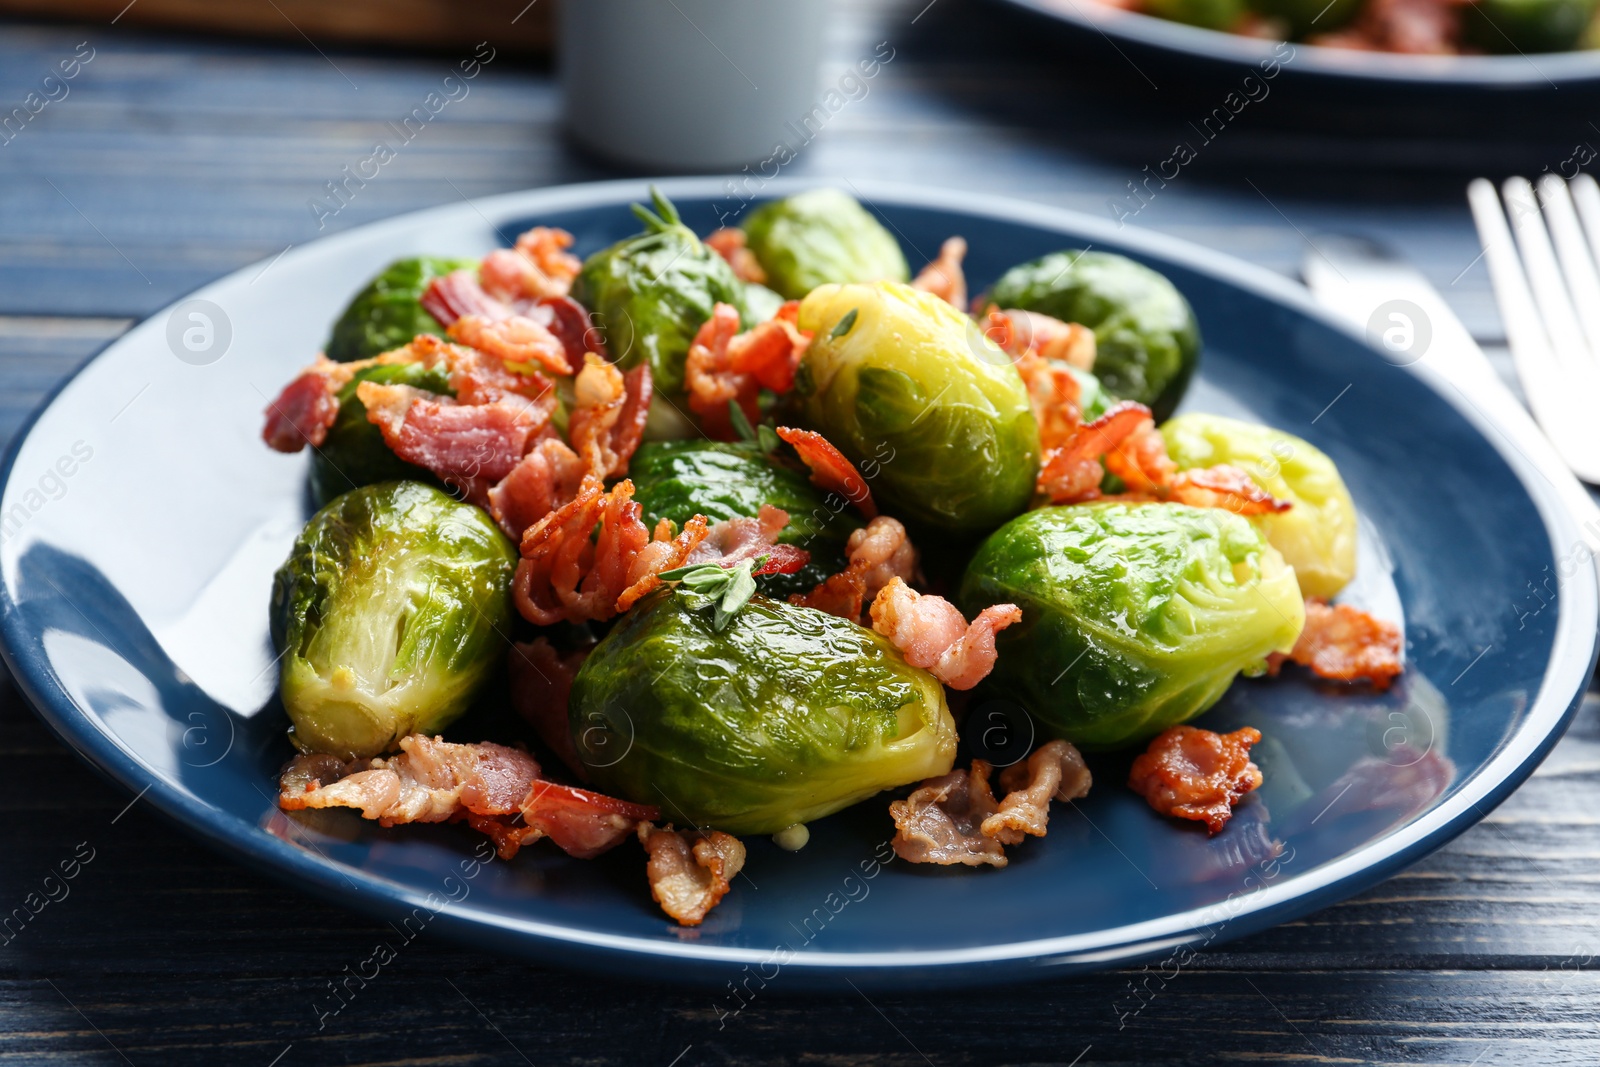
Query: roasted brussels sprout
x,y
822,236
762,302
1212,14
390,614
1134,617
386,314
1146,337
1528,25
1317,536
680,479
651,294
914,394
354,453
785,716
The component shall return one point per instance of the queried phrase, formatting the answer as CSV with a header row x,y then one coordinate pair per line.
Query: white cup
x,y
688,85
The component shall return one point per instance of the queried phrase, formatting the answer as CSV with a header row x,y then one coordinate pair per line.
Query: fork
x,y
1547,285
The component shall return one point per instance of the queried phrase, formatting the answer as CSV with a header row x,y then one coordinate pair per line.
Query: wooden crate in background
x,y
508,25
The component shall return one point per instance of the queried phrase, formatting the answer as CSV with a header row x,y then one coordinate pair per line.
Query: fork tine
x,y
1544,274
1586,194
1550,392
1577,264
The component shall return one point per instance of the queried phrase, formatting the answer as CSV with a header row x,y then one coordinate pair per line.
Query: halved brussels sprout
x,y
391,613
386,314
651,293
354,453
785,716
822,236
908,387
1146,339
680,479
1135,617
1317,536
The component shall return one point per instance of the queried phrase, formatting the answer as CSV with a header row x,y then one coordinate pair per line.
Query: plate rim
x,y
1521,71
1548,715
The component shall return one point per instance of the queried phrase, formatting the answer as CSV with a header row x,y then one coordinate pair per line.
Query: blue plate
x,y
1163,41
143,518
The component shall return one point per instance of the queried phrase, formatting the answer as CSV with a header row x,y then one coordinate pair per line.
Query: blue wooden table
x,y
171,160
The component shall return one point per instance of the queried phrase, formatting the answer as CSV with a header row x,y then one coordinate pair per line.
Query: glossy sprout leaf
x,y
1135,617
932,414
391,614
1317,535
822,236
785,716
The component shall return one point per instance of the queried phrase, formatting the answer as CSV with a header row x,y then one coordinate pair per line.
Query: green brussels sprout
x,y
651,293
1305,17
1528,25
1093,400
390,614
386,314
1317,536
678,480
911,391
1211,14
1146,337
762,302
354,453
1135,617
784,716
822,236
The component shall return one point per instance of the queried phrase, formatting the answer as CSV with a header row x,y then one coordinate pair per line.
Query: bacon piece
x,y
541,682
1196,774
1225,486
830,470
665,552
1054,770
608,420
543,480
431,780
1415,27
878,553
725,365
539,265
933,634
689,871
729,243
1071,473
942,821
1345,644
570,321
1056,399
944,277
581,823
458,294
515,339
469,446
564,574
1022,333
305,410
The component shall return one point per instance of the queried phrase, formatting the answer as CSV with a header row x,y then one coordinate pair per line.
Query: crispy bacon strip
x,y
1416,27
944,277
942,821
580,822
729,243
725,365
431,780
1031,333
1345,644
933,635
608,420
1071,472
830,470
543,480
690,872
539,265
305,410
1190,773
1054,770
1225,486
541,682
515,339
665,552
458,294
877,553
